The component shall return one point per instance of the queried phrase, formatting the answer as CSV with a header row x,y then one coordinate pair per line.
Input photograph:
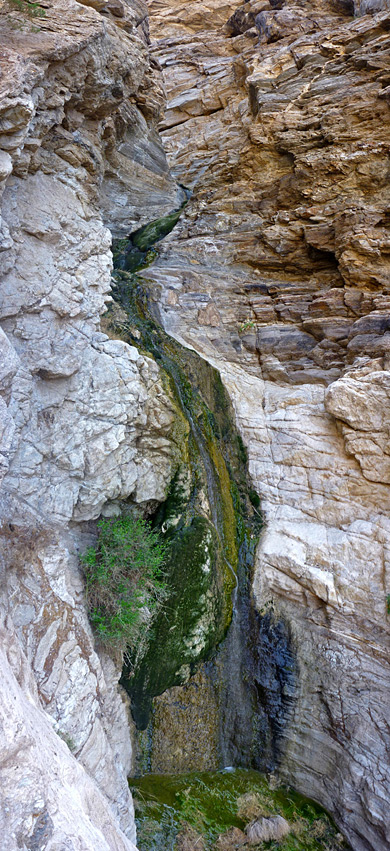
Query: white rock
x,y
80,414
47,796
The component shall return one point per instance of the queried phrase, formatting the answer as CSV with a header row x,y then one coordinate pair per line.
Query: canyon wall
x,y
85,420
278,274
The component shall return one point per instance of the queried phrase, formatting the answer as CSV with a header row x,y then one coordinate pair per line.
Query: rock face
x,y
85,421
278,274
47,798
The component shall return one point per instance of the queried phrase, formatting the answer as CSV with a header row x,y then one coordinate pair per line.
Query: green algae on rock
x,y
208,517
136,251
191,623
237,684
243,692
211,803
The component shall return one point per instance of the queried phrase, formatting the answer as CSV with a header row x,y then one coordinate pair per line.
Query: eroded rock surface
x,y
278,273
48,800
85,421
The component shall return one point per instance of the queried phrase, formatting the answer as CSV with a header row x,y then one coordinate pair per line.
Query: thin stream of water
x,y
236,700
253,670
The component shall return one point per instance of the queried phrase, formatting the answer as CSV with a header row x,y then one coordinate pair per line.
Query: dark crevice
x,y
322,258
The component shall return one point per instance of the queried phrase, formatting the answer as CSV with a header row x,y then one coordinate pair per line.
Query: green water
x,y
210,803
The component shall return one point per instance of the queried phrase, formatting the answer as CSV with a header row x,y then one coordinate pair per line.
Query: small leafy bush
x,y
124,580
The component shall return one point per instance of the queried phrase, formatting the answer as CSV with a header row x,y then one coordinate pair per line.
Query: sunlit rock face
x,y
85,421
278,273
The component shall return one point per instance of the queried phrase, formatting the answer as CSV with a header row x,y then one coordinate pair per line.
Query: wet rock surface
x,y
278,274
189,717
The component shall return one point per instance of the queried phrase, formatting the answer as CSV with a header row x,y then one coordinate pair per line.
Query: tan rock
x,y
185,726
116,7
274,828
285,145
94,4
209,316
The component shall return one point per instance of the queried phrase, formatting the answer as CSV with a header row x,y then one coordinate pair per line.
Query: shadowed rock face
x,y
278,273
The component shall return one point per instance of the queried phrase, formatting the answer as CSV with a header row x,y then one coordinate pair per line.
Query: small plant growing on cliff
x,y
28,9
124,580
248,325
67,739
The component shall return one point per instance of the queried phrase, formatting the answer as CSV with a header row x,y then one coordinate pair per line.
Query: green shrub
x,y
28,7
22,13
124,580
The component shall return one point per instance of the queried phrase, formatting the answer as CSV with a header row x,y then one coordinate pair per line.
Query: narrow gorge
x,y
194,308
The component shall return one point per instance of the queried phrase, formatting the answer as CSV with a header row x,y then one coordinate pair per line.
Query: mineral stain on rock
x,y
260,678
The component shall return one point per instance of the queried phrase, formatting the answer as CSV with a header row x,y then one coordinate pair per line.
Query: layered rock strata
x,y
85,421
278,273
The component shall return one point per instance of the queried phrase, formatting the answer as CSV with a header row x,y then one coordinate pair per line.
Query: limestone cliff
x,y
84,418
278,274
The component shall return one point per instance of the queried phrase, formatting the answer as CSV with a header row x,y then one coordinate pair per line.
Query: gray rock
x,y
48,800
266,829
84,420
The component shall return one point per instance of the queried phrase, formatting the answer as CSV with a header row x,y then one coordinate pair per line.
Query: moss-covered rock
x,y
145,237
211,522
189,626
185,727
207,515
136,251
212,803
